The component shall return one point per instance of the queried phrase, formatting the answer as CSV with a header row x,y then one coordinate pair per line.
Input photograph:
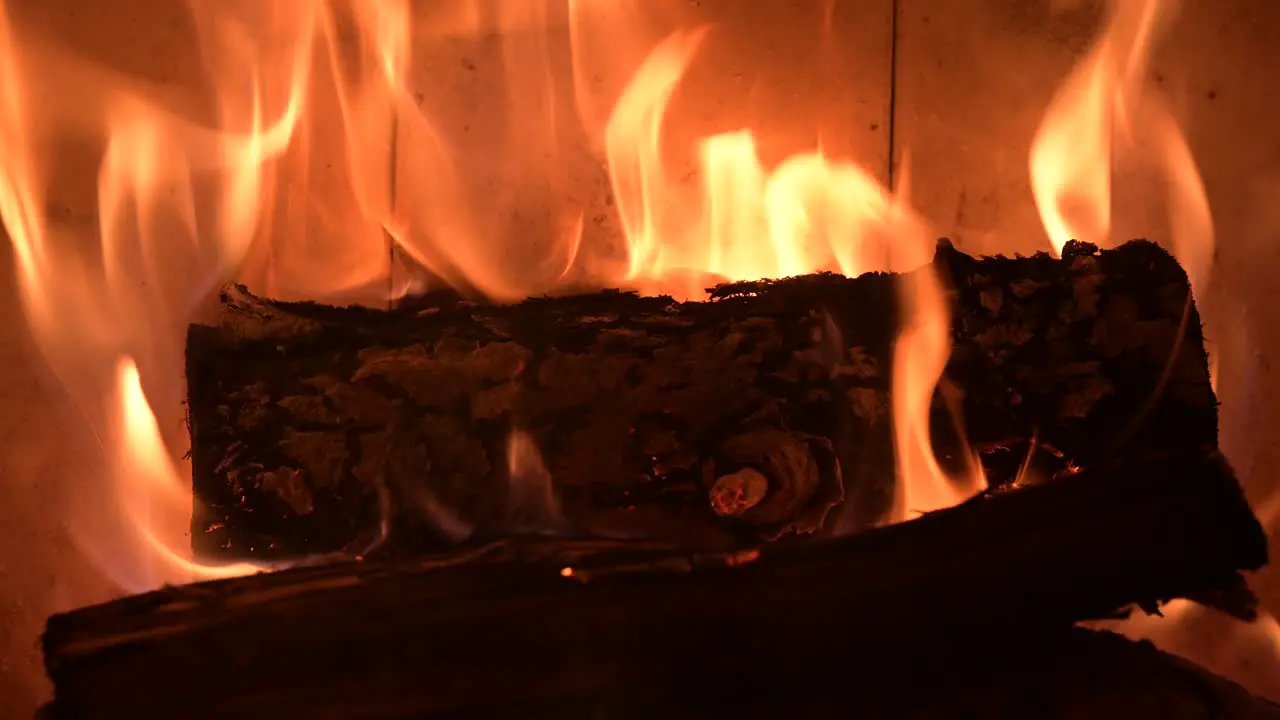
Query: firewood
x,y
752,415
1067,674
538,619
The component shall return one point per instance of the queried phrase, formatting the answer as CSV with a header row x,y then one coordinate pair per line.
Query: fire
x,y
532,503
810,213
153,495
1104,113
322,172
918,362
327,163
177,205
1246,652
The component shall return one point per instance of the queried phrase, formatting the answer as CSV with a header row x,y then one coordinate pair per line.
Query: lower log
x,y
1071,674
313,428
539,620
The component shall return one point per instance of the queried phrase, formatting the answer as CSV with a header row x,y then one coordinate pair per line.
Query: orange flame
x,y
809,214
155,499
633,141
918,361
1104,108
97,298
532,502
338,153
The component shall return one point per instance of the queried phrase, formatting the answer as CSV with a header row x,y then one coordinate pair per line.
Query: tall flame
x,y
1103,110
918,361
810,213
154,498
178,204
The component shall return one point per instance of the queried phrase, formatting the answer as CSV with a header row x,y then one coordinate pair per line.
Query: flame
x,y
332,155
532,502
810,213
503,224
633,141
918,361
1102,113
1246,652
155,500
1104,109
178,204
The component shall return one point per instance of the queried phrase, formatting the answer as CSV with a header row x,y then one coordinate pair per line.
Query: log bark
x,y
753,415
562,624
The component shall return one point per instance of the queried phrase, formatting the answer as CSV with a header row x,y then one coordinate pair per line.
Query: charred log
x,y
993,583
1064,674
712,423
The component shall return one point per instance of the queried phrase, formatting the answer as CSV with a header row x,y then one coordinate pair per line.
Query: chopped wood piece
x,y
549,620
312,425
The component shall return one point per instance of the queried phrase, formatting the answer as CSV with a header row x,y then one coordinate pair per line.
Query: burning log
x,y
317,429
977,599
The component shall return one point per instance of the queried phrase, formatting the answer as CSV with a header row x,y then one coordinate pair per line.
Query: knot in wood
x,y
739,491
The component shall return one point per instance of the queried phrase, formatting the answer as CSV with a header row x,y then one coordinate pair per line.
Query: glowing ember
x,y
918,361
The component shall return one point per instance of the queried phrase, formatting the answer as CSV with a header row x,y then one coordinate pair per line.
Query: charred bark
x,y
711,423
970,607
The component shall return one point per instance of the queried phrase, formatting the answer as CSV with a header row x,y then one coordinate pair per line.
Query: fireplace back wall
x,y
958,87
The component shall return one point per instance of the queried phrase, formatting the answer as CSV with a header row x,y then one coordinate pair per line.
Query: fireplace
x,y
945,103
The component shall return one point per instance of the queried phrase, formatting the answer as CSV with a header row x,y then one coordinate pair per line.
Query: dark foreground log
x,y
312,424
541,620
1058,674
1066,674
